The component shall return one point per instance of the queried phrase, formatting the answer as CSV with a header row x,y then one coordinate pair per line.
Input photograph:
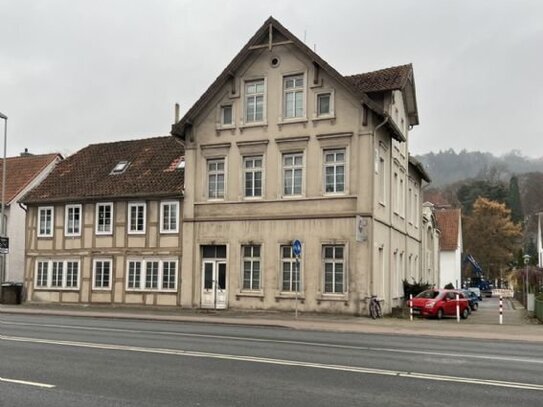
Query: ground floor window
x,y
251,267
102,274
152,274
290,269
334,269
57,274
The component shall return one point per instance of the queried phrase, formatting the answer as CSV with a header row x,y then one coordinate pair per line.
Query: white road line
x,y
282,362
27,383
288,342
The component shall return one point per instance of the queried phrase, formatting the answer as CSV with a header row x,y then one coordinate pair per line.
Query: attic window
x,y
120,167
181,164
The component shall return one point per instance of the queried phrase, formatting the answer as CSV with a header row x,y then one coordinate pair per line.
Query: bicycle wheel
x,y
374,310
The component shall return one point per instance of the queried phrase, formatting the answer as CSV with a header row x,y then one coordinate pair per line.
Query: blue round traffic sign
x,y
297,247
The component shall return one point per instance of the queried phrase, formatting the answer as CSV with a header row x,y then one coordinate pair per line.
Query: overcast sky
x,y
73,73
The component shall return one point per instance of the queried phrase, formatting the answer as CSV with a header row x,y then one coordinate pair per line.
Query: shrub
x,y
416,287
449,286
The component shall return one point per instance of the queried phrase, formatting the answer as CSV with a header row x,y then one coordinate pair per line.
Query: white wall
x,y
450,266
16,229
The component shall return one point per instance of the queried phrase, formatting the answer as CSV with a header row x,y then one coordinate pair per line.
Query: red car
x,y
440,303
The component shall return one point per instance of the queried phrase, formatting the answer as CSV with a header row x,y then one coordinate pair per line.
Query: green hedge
x,y
538,311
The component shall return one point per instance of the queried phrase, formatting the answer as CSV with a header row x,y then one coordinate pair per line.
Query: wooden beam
x,y
274,44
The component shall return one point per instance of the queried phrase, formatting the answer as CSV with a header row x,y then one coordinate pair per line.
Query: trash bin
x,y
12,293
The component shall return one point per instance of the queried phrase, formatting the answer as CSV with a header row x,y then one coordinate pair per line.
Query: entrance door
x,y
214,293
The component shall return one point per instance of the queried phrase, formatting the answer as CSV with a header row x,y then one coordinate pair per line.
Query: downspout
x,y
372,251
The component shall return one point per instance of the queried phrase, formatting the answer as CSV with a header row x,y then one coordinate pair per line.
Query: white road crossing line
x,y
27,383
469,356
283,362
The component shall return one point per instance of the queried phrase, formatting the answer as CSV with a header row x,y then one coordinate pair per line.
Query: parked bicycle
x,y
375,307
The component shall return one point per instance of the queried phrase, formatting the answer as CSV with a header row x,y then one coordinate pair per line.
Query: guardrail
x,y
538,310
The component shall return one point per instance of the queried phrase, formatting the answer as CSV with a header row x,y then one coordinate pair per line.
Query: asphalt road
x,y
62,361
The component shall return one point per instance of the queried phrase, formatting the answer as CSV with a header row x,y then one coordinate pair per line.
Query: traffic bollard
x,y
501,310
457,308
411,307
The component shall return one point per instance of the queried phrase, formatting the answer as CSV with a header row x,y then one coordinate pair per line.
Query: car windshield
x,y
428,294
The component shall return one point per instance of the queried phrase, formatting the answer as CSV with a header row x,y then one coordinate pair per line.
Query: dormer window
x,y
120,167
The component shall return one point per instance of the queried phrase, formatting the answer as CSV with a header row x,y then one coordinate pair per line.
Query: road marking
x,y
27,383
282,362
288,342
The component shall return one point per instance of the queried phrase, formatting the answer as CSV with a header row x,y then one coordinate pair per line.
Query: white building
x,y
449,223
22,174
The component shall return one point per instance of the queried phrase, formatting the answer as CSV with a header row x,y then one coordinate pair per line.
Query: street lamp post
x,y
526,258
2,220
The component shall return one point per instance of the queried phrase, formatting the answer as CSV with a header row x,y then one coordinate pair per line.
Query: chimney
x,y
176,113
26,153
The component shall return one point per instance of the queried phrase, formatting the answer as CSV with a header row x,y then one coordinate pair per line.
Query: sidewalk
x,y
480,325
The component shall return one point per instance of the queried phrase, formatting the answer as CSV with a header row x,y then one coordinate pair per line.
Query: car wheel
x,y
439,314
474,307
465,314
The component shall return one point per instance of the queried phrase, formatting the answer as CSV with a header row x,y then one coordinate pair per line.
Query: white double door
x,y
214,293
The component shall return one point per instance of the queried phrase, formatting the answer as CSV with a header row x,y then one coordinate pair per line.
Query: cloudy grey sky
x,y
74,73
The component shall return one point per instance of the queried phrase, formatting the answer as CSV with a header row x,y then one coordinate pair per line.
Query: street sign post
x,y
4,245
297,251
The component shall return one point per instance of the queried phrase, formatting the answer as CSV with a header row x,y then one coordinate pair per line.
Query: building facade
x,y
449,223
22,174
540,239
282,147
104,226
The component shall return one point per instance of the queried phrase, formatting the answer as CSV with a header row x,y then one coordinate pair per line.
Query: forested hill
x,y
447,167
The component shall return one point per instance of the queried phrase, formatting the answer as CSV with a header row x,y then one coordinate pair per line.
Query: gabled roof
x,y
420,168
152,171
393,78
263,37
448,222
21,171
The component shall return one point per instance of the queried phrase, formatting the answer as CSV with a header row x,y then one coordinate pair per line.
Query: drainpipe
x,y
372,257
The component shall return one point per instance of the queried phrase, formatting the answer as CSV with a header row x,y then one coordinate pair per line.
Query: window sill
x,y
169,232
105,234
289,296
250,294
331,194
46,237
72,236
55,289
136,233
150,290
226,127
101,290
256,124
333,298
296,120
324,117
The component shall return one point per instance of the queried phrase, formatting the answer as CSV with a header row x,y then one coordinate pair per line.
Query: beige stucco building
x,y
282,147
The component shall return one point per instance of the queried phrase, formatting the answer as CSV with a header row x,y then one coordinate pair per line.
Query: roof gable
x,y
21,171
87,174
448,223
271,33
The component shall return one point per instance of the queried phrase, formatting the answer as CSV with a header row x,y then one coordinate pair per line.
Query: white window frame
x,y
294,90
169,203
334,261
293,168
255,95
332,112
49,275
67,220
292,261
251,171
402,194
97,222
130,230
335,165
216,173
52,221
143,274
222,123
252,259
94,264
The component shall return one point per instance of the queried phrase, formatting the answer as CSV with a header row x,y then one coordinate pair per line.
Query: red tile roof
x,y
393,78
448,222
86,175
21,171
